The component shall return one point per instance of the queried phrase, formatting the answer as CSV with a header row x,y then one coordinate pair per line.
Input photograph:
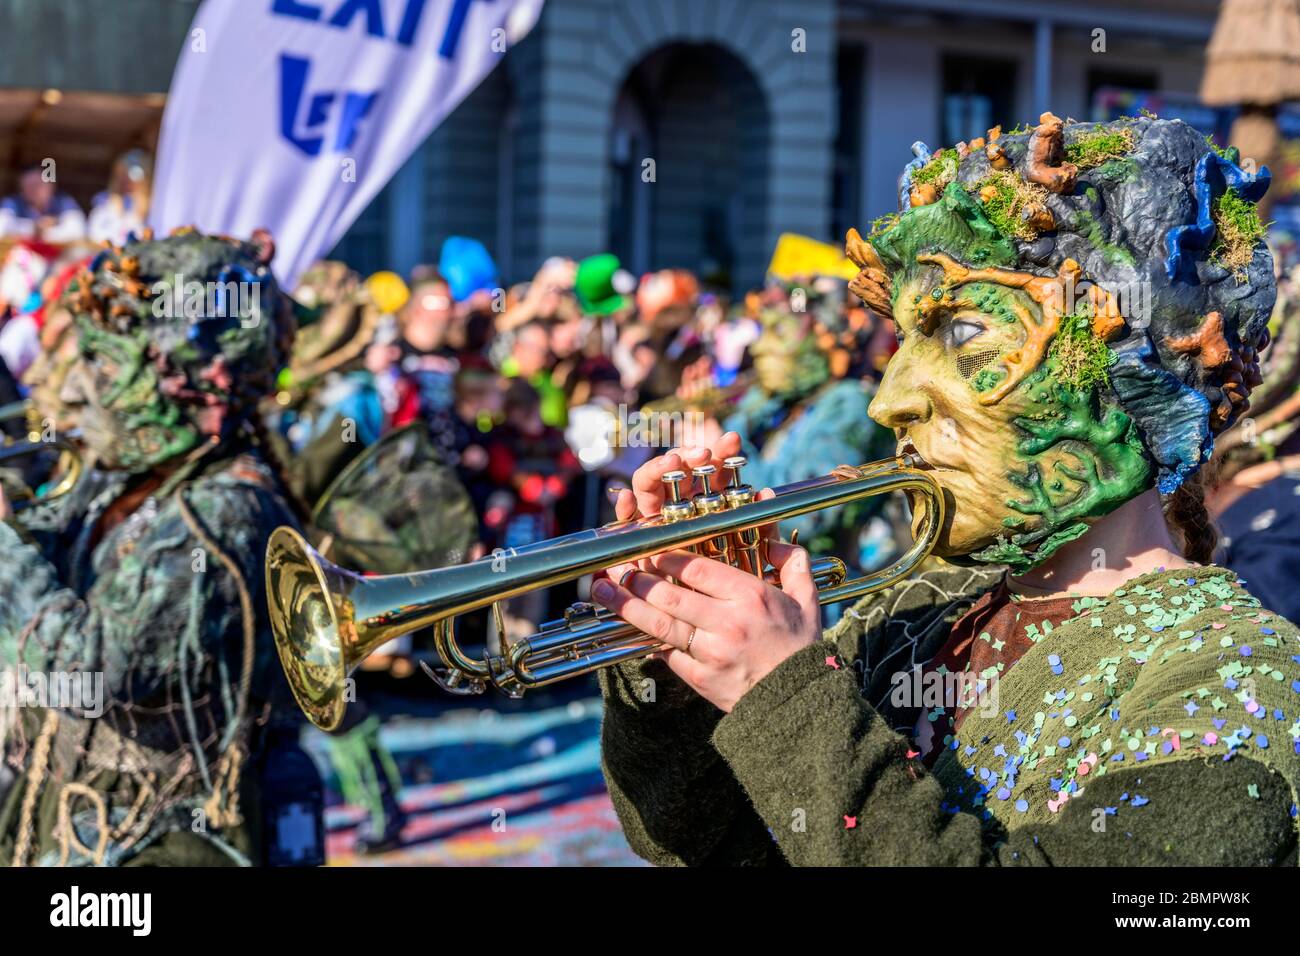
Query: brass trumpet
x,y
326,619
70,462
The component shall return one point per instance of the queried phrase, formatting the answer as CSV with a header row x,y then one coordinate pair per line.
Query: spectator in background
x,y
480,408
531,360
570,334
123,208
25,268
467,267
596,435
604,291
532,468
548,296
666,303
426,364
39,210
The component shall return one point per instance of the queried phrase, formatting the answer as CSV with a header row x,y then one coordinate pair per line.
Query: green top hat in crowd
x,y
603,285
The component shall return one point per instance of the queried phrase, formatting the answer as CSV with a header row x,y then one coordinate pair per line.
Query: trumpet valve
x,y
733,465
745,542
707,502
675,509
705,473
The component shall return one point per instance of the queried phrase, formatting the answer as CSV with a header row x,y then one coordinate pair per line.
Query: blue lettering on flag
x,y
355,108
372,10
292,8
374,16
455,24
293,88
410,22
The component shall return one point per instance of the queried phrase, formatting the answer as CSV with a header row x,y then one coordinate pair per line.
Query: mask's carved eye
x,y
959,331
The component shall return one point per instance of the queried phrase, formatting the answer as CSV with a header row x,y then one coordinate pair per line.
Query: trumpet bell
x,y
305,594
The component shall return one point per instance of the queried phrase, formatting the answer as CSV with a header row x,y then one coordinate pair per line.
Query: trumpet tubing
x,y
326,619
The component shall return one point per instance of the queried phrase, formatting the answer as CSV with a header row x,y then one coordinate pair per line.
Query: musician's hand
x,y
647,494
737,628
6,510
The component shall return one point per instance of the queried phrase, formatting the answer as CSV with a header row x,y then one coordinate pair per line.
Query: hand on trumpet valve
x,y
649,492
725,628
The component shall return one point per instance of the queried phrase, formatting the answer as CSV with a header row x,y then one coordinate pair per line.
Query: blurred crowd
x,y
545,396
538,398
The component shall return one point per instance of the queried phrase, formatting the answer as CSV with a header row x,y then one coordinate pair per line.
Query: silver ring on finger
x,y
690,640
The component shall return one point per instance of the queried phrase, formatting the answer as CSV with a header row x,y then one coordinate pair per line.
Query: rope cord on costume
x,y
40,766
187,701
232,756
20,738
249,619
67,833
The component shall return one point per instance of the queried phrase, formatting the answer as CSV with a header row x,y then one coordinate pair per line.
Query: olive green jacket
x,y
1159,726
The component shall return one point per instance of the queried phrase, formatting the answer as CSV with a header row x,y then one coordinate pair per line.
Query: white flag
x,y
293,114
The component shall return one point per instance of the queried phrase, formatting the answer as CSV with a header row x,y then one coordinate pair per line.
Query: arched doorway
x,y
698,112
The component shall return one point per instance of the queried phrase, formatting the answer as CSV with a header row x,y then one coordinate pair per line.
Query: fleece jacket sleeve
x,y
836,786
678,801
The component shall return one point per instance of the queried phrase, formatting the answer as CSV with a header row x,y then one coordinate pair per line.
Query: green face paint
x,y
126,419
1080,462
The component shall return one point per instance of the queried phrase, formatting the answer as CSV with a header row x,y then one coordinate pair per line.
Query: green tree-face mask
x,y
1040,400
179,339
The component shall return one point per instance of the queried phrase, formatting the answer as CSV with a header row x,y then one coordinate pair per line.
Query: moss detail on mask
x,y
150,429
955,224
1081,359
1112,467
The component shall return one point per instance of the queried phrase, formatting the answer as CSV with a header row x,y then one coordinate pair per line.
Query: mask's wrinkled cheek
x,y
1080,459
132,426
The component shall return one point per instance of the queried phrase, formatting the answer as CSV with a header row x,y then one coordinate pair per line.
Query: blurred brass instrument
x,y
326,619
709,401
66,473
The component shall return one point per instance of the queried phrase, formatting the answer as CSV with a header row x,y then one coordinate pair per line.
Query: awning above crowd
x,y
82,132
